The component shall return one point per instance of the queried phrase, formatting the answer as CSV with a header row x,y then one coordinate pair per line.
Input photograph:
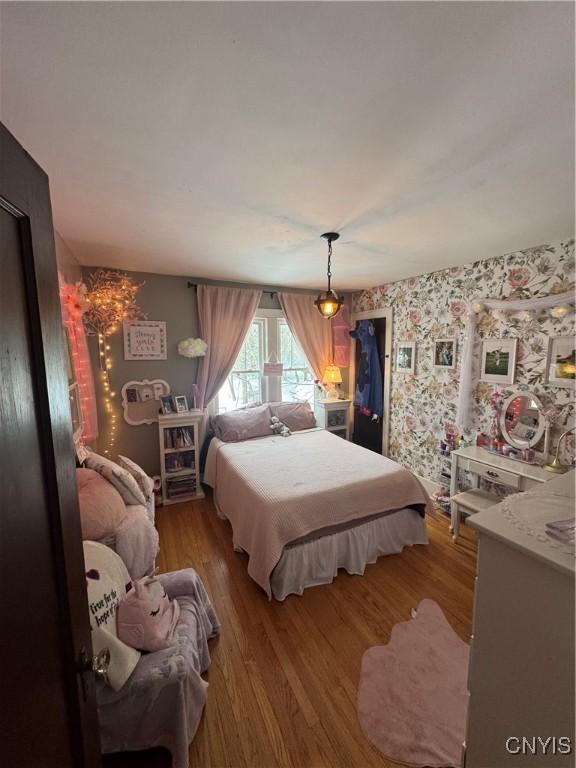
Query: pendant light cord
x,y
329,272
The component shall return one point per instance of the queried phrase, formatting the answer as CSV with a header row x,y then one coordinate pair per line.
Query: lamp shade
x,y
332,375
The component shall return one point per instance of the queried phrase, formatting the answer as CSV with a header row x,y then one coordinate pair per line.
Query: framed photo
x,y
145,340
499,360
132,395
181,403
561,363
405,356
166,404
444,353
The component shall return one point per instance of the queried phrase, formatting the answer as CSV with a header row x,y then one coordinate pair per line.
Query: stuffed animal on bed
x,y
278,427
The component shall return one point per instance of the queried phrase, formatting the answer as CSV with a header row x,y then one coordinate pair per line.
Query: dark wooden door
x,y
48,712
367,432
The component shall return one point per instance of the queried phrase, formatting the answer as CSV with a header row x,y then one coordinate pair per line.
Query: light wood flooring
x,y
284,676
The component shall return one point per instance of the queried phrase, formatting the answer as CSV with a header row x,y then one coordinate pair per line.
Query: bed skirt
x,y
317,561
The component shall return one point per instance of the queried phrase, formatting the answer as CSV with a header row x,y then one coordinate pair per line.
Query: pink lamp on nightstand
x,y
332,376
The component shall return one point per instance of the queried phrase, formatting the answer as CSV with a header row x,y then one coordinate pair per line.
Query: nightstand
x,y
334,416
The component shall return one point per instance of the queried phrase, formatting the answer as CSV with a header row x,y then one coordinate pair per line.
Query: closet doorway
x,y
370,374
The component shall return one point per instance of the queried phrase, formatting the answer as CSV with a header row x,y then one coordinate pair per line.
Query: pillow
x,y
242,424
295,415
102,510
120,478
145,483
136,542
106,583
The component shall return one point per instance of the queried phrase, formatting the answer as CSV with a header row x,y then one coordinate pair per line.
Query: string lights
x,y
74,304
111,300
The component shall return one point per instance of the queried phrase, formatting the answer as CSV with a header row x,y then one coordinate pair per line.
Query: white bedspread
x,y
275,490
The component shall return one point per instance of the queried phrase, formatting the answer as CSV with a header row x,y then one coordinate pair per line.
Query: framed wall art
x,y
444,353
561,362
499,360
145,340
405,356
141,400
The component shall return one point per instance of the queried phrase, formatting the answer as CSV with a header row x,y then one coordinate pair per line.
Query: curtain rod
x,y
192,284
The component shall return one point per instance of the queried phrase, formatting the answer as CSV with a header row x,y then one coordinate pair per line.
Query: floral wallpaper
x,y
434,306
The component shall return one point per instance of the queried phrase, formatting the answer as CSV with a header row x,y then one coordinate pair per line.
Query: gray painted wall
x,y
162,297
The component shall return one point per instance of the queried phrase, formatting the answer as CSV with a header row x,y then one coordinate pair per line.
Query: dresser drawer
x,y
494,474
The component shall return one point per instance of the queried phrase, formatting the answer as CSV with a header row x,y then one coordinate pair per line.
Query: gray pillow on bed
x,y
296,416
243,424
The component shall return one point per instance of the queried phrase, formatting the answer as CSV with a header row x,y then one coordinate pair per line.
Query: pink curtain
x,y
72,304
225,315
312,331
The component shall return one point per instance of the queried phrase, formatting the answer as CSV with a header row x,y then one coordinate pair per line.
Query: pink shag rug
x,y
413,697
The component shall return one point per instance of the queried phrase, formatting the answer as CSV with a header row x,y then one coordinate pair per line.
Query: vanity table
x,y
483,464
522,425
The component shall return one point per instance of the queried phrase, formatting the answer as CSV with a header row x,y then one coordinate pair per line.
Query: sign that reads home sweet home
x,y
145,340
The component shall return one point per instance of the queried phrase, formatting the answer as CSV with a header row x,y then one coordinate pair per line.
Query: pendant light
x,y
328,302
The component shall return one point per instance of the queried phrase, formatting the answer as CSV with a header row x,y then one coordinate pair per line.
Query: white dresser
x,y
521,676
483,464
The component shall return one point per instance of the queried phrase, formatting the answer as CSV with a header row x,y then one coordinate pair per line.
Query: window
x,y
244,384
297,378
268,334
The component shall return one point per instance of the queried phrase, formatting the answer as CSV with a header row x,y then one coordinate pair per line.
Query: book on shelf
x,y
178,437
181,486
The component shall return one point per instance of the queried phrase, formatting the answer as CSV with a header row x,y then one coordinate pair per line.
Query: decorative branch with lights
x,y
111,300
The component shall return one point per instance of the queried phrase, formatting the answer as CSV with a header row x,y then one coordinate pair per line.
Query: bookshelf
x,y
180,456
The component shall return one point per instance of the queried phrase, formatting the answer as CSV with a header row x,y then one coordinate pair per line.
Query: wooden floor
x,y
284,676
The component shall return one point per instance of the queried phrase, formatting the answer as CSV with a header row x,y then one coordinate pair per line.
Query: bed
x,y
303,506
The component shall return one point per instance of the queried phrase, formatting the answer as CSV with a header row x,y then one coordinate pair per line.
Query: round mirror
x,y
521,420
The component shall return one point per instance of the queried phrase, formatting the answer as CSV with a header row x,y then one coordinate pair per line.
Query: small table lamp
x,y
556,465
332,376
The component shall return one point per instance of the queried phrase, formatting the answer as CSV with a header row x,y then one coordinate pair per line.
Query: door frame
x,y
372,314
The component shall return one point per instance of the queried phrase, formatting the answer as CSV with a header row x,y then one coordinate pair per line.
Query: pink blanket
x,y
274,490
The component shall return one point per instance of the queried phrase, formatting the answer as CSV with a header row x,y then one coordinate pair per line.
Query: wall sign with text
x,y
145,340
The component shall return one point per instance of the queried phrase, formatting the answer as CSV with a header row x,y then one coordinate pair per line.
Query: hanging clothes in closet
x,y
369,383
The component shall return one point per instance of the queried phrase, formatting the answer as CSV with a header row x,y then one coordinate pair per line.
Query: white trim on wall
x,y
373,314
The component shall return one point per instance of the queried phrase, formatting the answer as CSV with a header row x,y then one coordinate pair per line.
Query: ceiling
x,y
221,139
